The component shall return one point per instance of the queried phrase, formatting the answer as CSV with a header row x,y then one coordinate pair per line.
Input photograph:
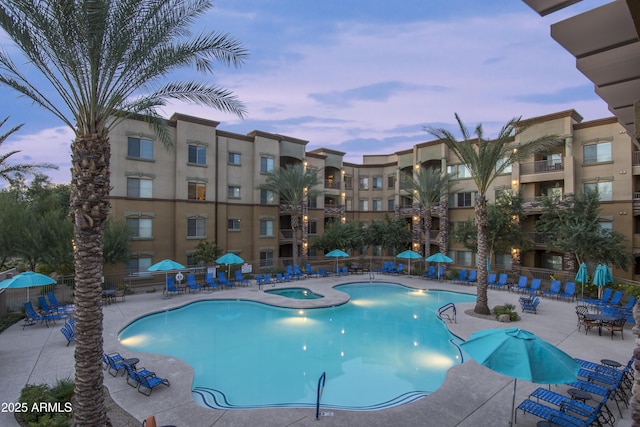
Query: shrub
x,y
509,309
33,396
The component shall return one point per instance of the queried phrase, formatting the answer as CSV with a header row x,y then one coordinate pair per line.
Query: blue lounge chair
x,y
384,268
613,302
310,271
530,304
69,332
280,278
625,311
604,298
345,271
562,401
522,285
146,380
268,280
171,286
503,280
397,271
297,273
557,416
44,305
134,373
240,279
431,273
492,279
569,291
222,279
192,284
33,316
210,281
323,272
535,286
115,364
440,274
462,276
472,277
114,356
390,267
55,305
554,289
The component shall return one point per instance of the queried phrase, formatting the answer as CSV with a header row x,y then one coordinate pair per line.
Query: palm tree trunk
x,y
444,227
482,301
294,226
89,209
427,234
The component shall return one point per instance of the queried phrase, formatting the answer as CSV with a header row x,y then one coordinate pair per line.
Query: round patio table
x,y
581,395
611,363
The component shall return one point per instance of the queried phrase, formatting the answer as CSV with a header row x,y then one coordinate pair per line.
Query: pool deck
x,y
471,395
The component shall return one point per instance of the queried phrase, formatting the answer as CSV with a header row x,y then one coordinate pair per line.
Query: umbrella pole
x,y
513,404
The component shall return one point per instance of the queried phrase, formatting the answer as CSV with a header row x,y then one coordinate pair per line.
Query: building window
x,y
503,262
458,171
376,205
605,227
501,162
391,181
197,191
596,153
463,199
312,202
348,182
141,228
363,205
137,265
376,250
266,164
233,224
197,155
195,227
266,258
604,189
234,158
464,258
139,188
267,197
348,204
266,228
377,183
364,183
140,148
552,262
233,192
313,227
391,205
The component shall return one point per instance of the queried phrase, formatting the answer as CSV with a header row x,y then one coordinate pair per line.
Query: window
x,y
266,197
376,205
604,189
138,187
233,192
266,228
266,258
501,162
195,227
596,153
503,262
363,205
377,183
458,171
234,158
140,148
141,228
312,202
197,191
348,204
364,183
376,250
313,227
391,181
266,164
197,155
605,227
464,258
552,262
463,199
137,265
391,205
553,160
348,182
233,224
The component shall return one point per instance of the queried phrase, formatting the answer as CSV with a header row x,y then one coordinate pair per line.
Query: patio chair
x,y
522,285
145,379
604,298
562,401
114,356
69,333
471,278
191,283
561,416
397,271
345,271
503,280
569,291
615,326
114,364
462,276
323,272
44,305
390,267
430,273
280,278
55,305
491,279
583,320
530,304
535,286
613,302
33,316
384,268
268,280
210,281
310,271
240,279
134,373
554,290
222,279
171,286
297,273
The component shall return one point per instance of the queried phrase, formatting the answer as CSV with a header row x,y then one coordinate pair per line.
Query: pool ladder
x,y
443,312
321,382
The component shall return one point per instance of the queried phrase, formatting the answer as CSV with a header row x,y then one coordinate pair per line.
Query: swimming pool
x,y
294,293
385,347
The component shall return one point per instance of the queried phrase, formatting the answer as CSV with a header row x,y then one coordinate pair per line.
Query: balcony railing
x,y
334,210
541,166
332,183
636,158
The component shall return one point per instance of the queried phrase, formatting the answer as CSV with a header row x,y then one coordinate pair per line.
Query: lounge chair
x,y
55,305
522,285
390,267
440,274
171,286
530,304
280,278
399,270
145,379
134,373
345,271
33,316
613,302
114,356
69,332
558,416
604,298
554,290
472,277
115,364
310,271
191,283
240,279
323,272
503,280
210,281
431,273
535,286
222,279
462,276
297,273
626,311
562,401
268,280
569,291
491,279
44,305
384,268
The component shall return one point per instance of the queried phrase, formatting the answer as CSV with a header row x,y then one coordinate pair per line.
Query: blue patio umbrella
x,y
27,280
409,255
600,278
582,276
439,257
337,254
228,259
166,265
607,273
521,355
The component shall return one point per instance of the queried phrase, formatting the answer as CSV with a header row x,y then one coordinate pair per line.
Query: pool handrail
x,y
321,382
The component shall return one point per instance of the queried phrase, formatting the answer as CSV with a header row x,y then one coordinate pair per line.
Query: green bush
x,y
45,406
9,319
509,309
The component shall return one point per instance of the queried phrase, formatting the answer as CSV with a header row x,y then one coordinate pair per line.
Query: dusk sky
x,y
363,76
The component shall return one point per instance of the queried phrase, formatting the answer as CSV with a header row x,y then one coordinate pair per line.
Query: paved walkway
x,y
471,395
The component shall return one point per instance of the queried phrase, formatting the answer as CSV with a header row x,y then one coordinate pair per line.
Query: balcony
x,y
334,210
636,202
332,184
541,166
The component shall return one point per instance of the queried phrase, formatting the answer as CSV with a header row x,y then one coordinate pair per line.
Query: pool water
x,y
385,347
295,293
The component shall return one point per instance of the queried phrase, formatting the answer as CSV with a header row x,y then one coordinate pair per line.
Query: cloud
x,y
562,95
377,92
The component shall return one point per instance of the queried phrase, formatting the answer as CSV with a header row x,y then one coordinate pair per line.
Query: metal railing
x,y
321,382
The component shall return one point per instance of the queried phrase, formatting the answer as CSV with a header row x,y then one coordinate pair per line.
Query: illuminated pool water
x,y
385,347
294,293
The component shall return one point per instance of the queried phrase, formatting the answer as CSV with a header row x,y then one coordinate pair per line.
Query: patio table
x,y
600,318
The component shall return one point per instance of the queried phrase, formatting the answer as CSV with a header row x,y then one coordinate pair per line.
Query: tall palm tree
x,y
8,170
427,186
294,184
103,61
486,159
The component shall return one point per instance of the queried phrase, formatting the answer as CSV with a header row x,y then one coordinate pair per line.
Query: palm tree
x,y
486,159
294,184
7,170
101,62
427,186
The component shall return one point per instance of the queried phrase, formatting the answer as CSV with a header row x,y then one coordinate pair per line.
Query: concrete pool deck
x,y
470,396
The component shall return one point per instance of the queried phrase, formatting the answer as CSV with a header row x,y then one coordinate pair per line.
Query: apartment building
x,y
206,187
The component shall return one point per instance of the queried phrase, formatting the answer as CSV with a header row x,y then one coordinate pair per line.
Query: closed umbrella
x,y
600,278
409,255
521,355
439,257
27,280
228,259
337,254
582,276
166,265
